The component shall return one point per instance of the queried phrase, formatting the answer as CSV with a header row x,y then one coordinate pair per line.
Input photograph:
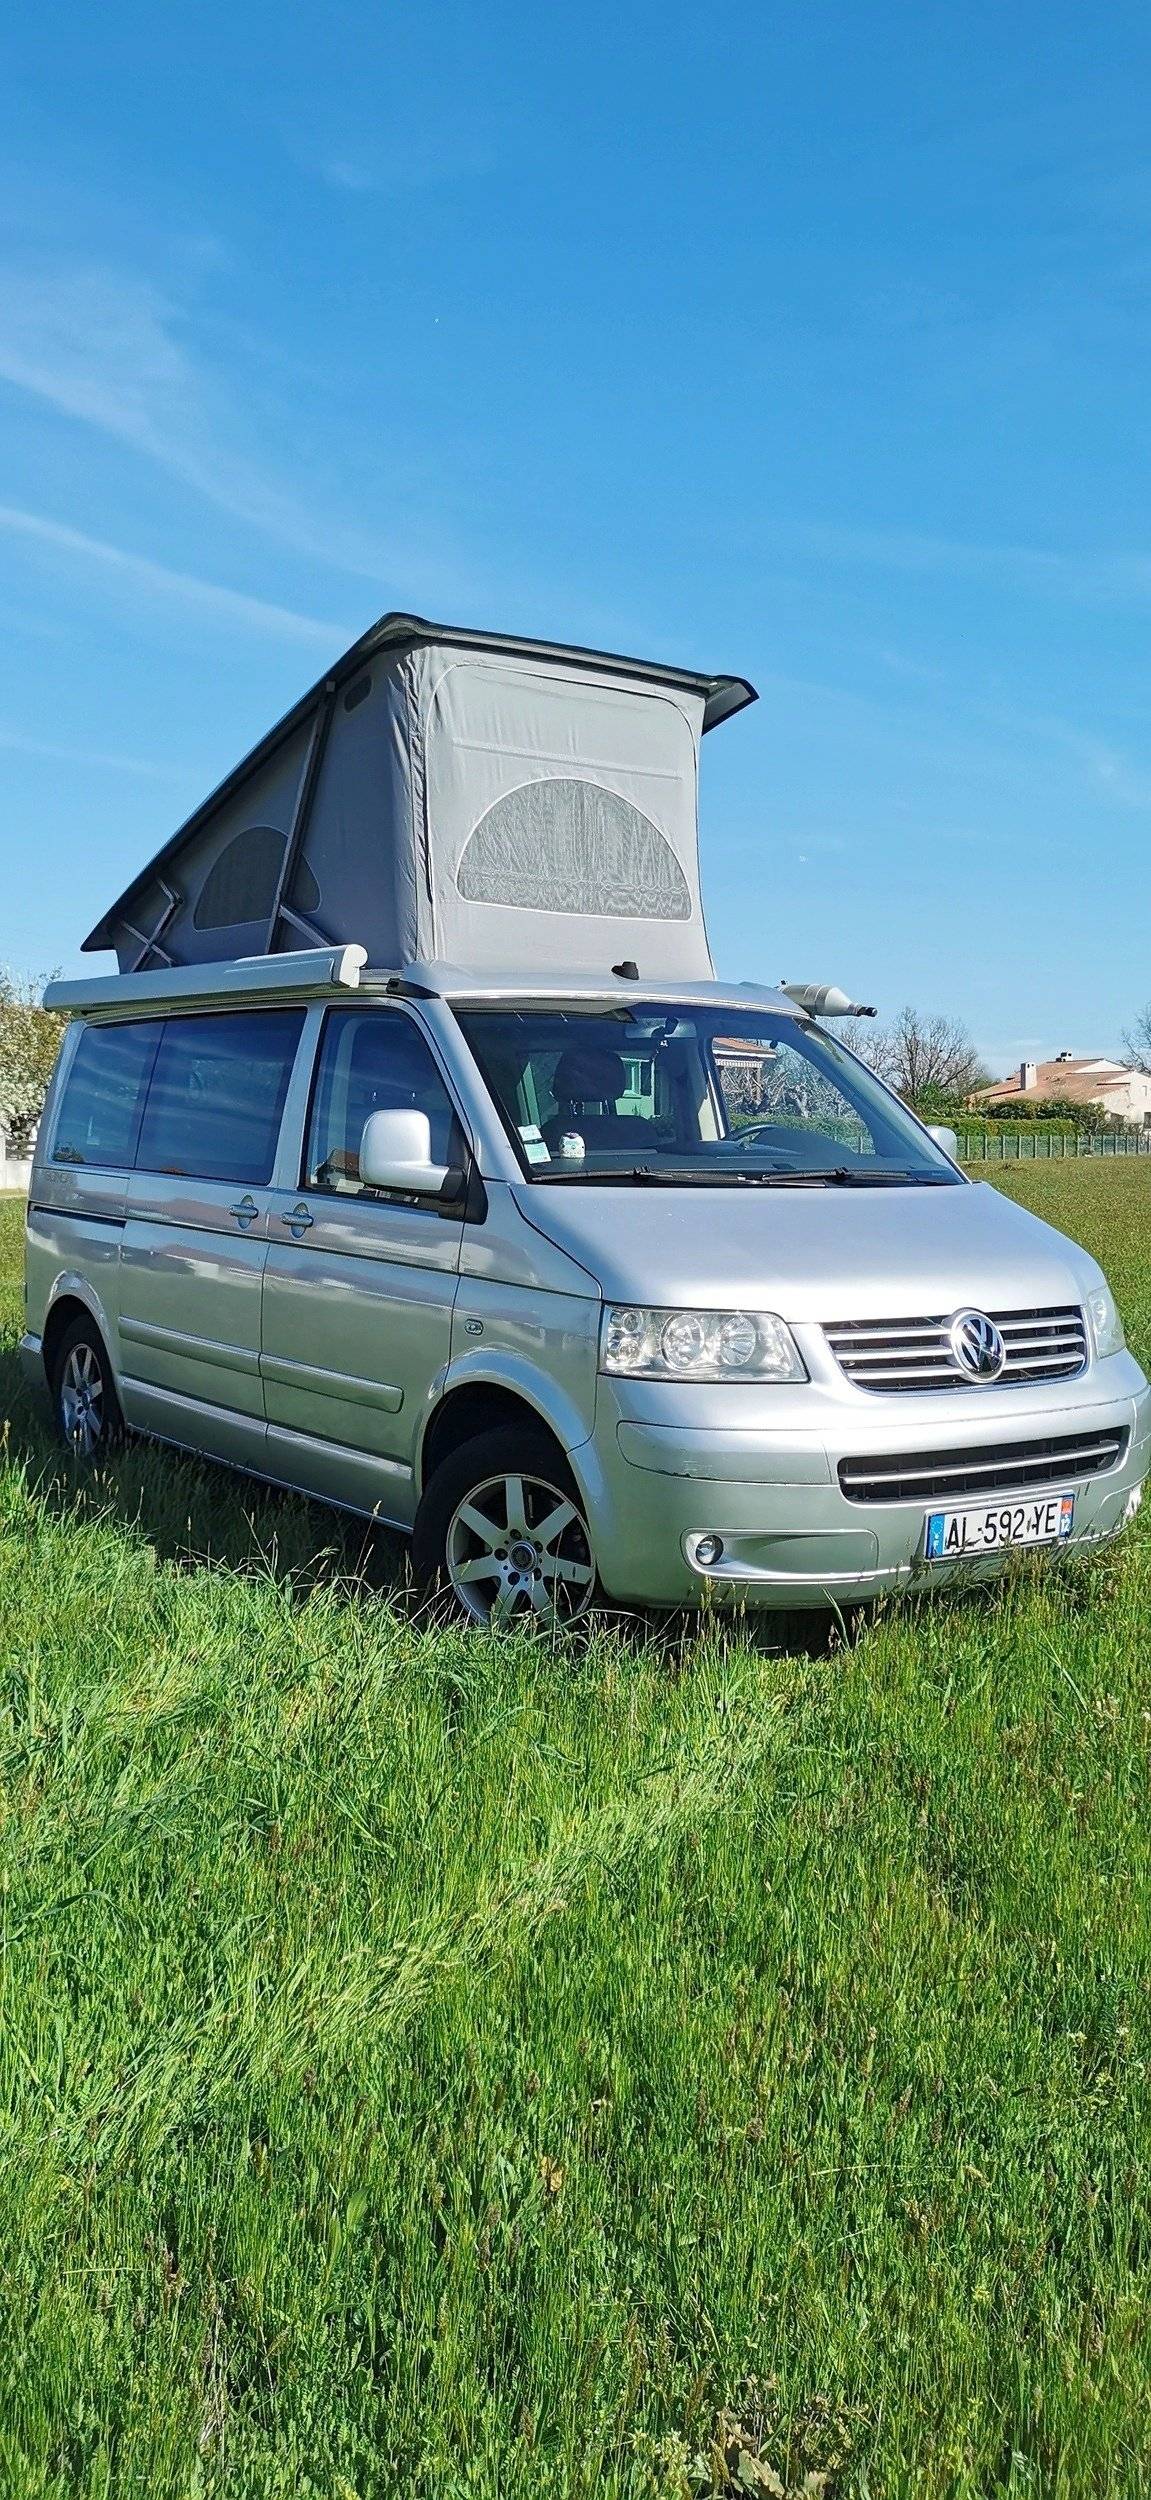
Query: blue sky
x,y
810,342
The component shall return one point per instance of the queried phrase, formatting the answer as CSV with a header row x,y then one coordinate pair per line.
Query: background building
x,y
1121,1093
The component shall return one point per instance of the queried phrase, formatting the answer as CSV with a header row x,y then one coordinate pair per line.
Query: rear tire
x,y
501,1531
87,1412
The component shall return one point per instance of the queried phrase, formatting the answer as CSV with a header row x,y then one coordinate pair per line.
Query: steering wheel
x,y
746,1141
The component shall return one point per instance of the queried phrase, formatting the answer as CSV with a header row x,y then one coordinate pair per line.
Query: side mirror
x,y
946,1138
396,1153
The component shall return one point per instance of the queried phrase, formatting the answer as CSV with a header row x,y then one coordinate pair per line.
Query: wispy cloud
x,y
342,175
13,742
1119,575
1124,782
105,349
160,581
111,351
958,729
442,148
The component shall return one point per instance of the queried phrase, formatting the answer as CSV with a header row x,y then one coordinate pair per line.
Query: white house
x,y
1122,1093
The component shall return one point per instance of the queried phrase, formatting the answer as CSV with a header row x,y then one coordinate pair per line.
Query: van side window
x,y
372,1061
217,1093
103,1092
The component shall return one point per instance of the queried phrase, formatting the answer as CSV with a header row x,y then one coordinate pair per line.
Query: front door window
x,y
372,1061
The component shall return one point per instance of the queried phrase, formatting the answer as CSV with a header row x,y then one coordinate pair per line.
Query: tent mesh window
x,y
241,885
573,846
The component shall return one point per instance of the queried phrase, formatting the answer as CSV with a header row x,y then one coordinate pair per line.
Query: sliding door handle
x,y
245,1213
298,1221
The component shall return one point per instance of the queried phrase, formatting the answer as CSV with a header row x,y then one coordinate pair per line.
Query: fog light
x,y
708,1551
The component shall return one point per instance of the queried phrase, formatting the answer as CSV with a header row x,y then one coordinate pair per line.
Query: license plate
x,y
952,1534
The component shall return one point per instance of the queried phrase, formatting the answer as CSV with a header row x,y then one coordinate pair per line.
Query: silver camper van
x,y
415,1158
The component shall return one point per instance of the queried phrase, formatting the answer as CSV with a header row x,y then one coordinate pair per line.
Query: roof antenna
x,y
627,970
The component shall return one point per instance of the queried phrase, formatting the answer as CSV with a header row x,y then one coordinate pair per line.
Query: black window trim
x,y
102,1024
469,1204
160,1022
608,1009
201,1015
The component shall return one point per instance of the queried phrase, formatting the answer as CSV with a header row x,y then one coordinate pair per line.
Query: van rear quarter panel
x,y
73,1251
74,1224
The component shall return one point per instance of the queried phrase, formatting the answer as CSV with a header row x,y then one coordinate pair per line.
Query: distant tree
x,y
29,1041
1137,1044
930,1060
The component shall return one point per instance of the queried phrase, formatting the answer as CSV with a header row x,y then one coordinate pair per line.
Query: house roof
x,y
1066,1080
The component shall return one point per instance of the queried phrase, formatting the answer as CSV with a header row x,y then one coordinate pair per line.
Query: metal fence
x,y
1005,1144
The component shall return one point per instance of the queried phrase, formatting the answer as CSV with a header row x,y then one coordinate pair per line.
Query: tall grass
x,y
432,2065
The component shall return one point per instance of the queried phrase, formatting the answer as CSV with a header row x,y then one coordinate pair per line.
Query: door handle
x,y
245,1213
298,1221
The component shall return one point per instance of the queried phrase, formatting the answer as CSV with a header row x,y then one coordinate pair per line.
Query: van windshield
x,y
692,1095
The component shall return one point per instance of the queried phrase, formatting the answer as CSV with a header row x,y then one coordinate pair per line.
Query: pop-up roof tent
x,y
455,796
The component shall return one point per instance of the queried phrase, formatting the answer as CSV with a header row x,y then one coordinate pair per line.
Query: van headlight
x,y
1106,1325
697,1345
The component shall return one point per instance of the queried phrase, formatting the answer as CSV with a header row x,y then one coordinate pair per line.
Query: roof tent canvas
x,y
452,795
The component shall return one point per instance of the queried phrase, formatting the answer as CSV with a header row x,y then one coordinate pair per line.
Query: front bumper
x,y
791,1537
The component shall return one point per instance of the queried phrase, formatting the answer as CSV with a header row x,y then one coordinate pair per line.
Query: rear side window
x,y
217,1094
103,1095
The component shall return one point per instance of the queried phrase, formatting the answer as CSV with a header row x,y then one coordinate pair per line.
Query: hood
x,y
812,1254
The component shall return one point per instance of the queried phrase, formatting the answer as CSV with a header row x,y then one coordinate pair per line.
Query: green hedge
x,y
1028,1109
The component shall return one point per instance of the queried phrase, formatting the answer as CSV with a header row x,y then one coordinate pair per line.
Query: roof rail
x,y
314,971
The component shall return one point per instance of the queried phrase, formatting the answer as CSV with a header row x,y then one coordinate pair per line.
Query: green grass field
x,y
432,2066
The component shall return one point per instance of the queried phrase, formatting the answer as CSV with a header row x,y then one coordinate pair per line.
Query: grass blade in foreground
x,y
438,2066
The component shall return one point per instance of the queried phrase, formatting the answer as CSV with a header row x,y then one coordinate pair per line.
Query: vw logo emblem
x,y
976,1345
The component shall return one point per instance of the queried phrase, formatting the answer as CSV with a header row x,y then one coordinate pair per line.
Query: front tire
x,y
501,1530
88,1415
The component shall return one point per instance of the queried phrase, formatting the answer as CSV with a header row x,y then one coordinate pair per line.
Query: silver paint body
x,y
317,1356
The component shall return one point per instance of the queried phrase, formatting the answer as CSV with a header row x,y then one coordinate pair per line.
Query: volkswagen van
x,y
415,1157
598,1287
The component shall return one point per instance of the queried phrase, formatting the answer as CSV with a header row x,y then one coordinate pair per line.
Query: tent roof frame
x,y
722,698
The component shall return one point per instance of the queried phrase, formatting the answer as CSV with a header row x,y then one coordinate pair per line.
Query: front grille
x,y
915,1354
945,1475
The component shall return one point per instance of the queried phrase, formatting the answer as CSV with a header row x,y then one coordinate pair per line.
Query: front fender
x,y
566,1412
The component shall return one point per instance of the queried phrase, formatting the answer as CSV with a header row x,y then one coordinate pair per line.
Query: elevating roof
x,y
489,770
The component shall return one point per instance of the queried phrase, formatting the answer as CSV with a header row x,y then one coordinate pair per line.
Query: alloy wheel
x,y
82,1401
517,1550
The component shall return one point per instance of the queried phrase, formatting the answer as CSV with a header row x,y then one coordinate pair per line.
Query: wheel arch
x,y
479,1395
72,1298
471,1407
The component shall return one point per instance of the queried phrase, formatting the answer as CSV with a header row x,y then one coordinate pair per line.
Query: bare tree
x,y
925,1057
1137,1044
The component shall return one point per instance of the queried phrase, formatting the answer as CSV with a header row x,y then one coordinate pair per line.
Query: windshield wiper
x,y
652,1176
641,1172
846,1179
841,1176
